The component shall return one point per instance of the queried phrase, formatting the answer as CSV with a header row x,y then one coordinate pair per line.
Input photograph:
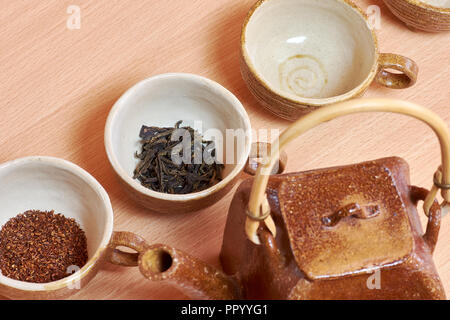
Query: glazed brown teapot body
x,y
350,232
335,238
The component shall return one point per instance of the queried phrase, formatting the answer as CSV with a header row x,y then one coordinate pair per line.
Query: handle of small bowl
x,y
259,150
408,68
129,240
434,216
258,208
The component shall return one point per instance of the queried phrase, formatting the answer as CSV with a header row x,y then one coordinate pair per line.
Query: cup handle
x,y
129,240
408,68
258,151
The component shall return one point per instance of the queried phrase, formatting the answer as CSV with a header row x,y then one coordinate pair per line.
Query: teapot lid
x,y
348,220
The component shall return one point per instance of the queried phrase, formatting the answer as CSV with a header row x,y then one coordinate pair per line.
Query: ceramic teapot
x,y
350,232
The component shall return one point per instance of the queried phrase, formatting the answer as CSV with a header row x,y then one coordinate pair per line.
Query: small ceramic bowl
x,y
426,15
162,101
45,184
298,55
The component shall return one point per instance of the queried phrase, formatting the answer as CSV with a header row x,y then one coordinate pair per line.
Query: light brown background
x,y
57,87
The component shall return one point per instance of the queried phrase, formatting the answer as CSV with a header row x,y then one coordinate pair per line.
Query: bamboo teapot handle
x,y
258,207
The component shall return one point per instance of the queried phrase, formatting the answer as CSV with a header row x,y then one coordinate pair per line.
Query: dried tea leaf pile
x,y
157,171
41,247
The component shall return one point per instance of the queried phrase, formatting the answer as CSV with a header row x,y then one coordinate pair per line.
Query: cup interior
x,y
310,49
45,184
162,101
438,3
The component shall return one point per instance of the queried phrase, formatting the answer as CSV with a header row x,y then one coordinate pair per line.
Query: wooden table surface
x,y
58,85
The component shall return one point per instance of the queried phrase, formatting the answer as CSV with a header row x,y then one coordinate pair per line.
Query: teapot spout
x,y
195,278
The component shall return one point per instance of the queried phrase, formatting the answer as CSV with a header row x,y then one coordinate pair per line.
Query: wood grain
x,y
58,85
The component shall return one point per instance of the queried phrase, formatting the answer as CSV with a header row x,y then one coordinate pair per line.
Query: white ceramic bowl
x,y
161,101
299,55
426,15
311,49
438,3
45,183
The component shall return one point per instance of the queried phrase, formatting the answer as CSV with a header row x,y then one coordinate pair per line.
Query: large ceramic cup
x,y
426,15
43,183
162,101
298,55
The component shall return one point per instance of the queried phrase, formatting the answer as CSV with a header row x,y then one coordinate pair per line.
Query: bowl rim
x,y
107,234
315,102
428,6
199,80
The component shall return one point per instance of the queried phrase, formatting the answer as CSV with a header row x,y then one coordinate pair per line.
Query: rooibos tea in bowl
x,y
161,120
49,184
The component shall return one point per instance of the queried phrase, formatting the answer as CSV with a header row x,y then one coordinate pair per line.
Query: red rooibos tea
x,y
41,247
